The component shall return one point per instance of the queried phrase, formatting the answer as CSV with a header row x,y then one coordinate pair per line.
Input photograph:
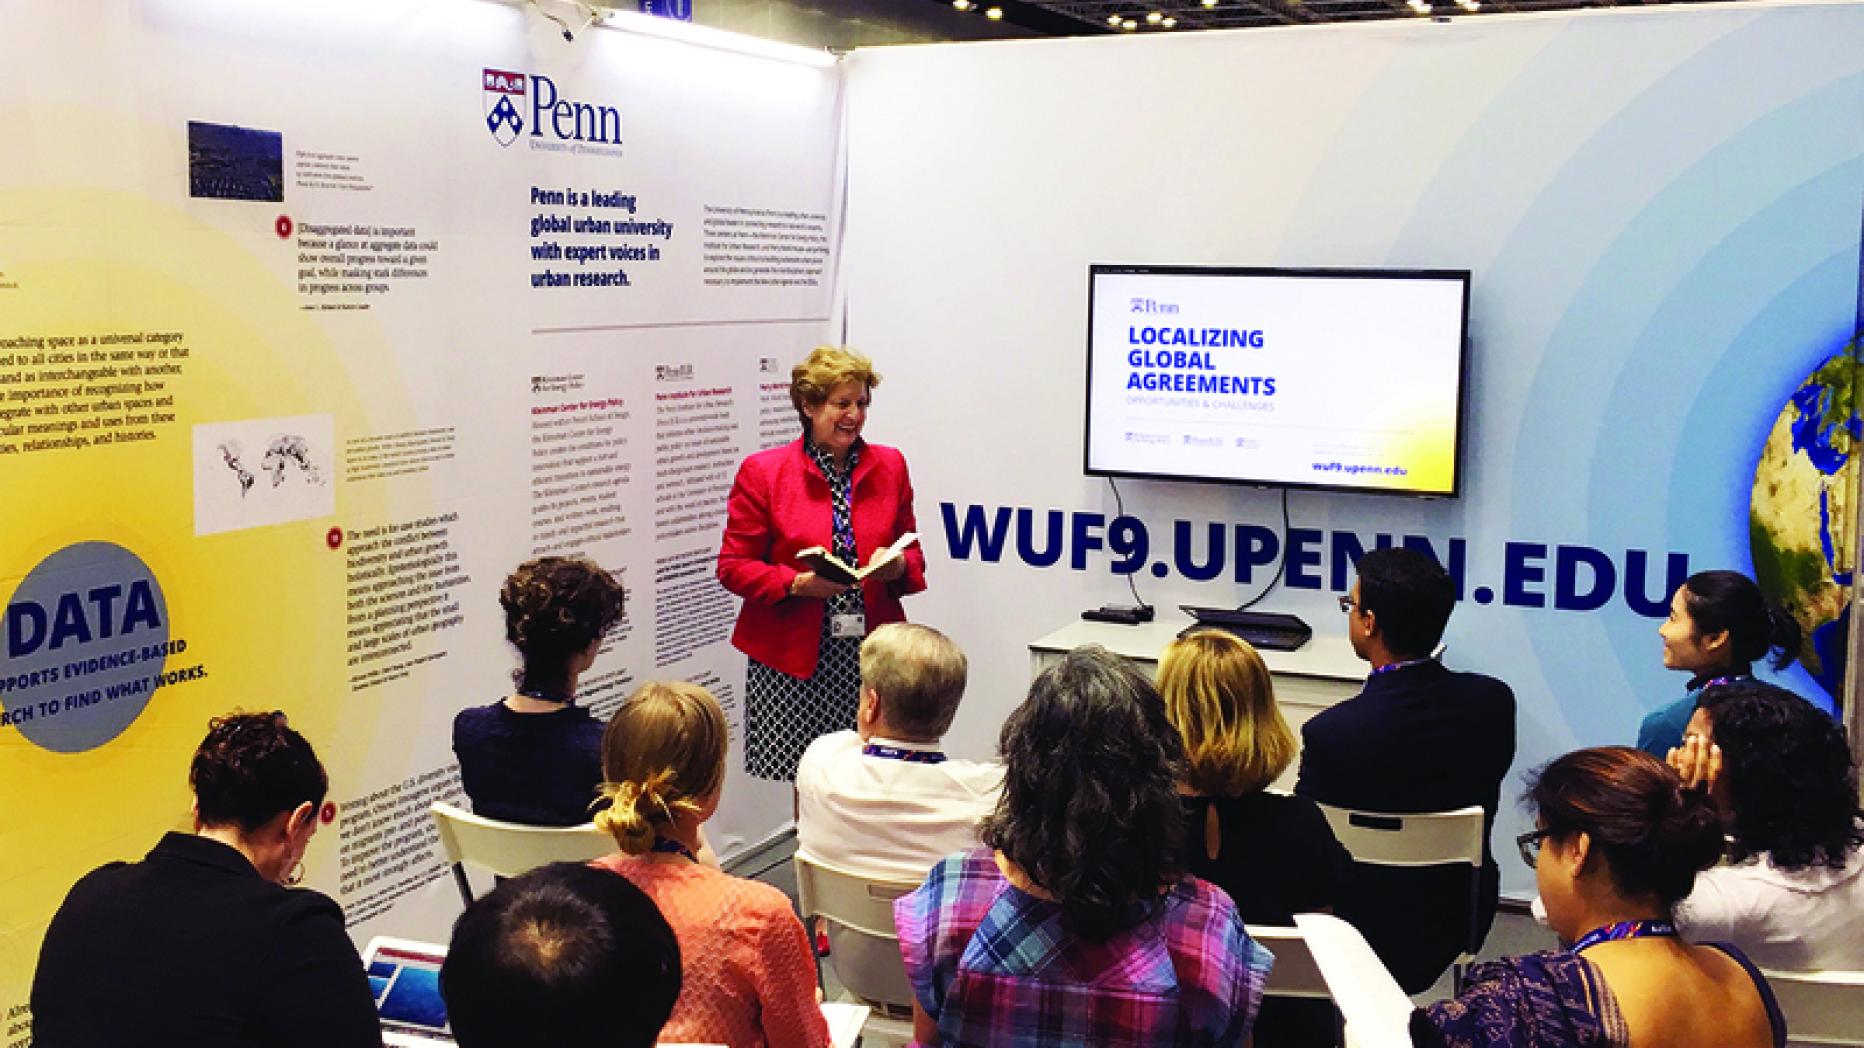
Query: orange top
x,y
749,975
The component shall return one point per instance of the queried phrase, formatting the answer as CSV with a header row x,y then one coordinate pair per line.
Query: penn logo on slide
x,y
518,105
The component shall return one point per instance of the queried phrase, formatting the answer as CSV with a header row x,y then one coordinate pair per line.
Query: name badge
x,y
852,624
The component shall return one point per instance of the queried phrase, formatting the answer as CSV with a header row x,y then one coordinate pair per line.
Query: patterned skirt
x,y
784,714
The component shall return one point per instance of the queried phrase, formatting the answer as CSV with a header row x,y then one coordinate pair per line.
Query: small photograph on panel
x,y
255,472
227,162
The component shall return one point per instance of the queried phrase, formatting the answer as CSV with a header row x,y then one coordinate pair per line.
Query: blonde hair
x,y
662,753
919,675
822,370
1218,695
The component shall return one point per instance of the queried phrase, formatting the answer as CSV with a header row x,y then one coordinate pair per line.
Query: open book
x,y
834,569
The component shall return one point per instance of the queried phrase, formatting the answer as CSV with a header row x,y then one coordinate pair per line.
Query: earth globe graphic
x,y
1802,525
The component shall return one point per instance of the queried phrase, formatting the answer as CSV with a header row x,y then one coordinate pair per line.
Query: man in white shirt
x,y
884,801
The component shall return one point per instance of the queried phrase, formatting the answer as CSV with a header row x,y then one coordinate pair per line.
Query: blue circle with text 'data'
x,y
82,647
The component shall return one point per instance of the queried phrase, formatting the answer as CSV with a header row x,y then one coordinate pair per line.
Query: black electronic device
x,y
1124,614
1264,629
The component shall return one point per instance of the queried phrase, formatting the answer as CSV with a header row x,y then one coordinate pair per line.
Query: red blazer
x,y
780,505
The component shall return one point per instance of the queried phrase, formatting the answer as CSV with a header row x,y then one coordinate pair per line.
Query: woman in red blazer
x,y
803,633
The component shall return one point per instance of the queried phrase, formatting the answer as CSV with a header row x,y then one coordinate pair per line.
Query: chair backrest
x,y
1821,1007
1428,839
1377,1012
1295,974
509,849
863,946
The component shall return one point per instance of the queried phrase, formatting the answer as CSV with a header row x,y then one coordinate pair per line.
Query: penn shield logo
x,y
528,105
504,105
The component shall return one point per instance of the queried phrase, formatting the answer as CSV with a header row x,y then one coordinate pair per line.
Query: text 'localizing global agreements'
x,y
590,232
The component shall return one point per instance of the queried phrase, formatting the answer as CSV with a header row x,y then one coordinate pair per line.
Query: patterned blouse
x,y
1552,999
841,502
992,965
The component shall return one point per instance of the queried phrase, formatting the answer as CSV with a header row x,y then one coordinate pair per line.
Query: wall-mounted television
x,y
1341,379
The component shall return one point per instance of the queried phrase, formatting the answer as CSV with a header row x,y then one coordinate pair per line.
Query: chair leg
x,y
1457,971
465,886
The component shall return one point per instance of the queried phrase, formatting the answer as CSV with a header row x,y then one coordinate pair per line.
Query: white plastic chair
x,y
1444,838
1376,1010
507,848
1821,1007
863,945
1295,974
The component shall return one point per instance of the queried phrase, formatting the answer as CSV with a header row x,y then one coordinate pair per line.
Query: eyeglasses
x,y
1529,843
1346,603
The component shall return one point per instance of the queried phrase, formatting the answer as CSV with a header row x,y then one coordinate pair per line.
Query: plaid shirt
x,y
993,966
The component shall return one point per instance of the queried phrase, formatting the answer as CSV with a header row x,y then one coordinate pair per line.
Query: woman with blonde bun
x,y
749,978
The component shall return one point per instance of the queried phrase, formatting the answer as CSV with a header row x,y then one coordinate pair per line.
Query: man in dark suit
x,y
1417,738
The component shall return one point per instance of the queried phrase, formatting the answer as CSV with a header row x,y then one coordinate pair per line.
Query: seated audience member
x,y
883,800
1417,738
1274,854
1791,890
203,942
1075,923
535,757
748,974
1719,625
1619,841
564,955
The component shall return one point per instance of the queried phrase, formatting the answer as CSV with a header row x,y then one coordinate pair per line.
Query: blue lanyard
x,y
1393,666
667,846
894,753
1625,930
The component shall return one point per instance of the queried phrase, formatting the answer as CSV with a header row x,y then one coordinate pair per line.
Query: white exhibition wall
x,y
291,372
1661,210
289,358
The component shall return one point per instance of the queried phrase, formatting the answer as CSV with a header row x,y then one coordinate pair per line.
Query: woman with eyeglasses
x,y
203,942
1618,842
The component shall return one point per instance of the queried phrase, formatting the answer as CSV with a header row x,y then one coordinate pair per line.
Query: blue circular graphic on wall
x,y
1799,516
83,644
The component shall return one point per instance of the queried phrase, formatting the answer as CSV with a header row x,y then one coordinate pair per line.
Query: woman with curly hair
x,y
1791,889
748,976
205,942
534,756
1076,923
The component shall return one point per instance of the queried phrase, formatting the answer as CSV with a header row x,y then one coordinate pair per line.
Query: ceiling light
x,y
1114,20
1210,3
1469,5
1169,23
962,5
1153,17
1129,24
993,13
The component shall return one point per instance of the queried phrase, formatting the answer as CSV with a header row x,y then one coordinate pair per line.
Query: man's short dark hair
x,y
1411,596
566,954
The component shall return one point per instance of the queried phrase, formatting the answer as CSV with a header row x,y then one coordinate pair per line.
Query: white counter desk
x,y
1320,673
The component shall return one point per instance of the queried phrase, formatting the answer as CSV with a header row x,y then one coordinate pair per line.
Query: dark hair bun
x,y
1655,836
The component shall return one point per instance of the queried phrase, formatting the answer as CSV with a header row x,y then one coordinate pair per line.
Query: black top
x,y
1277,855
540,769
1418,739
191,946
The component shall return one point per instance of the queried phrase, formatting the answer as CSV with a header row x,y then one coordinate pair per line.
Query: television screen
x,y
1346,379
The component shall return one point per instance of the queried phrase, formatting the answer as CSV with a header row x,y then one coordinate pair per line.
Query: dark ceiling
x,y
1071,17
